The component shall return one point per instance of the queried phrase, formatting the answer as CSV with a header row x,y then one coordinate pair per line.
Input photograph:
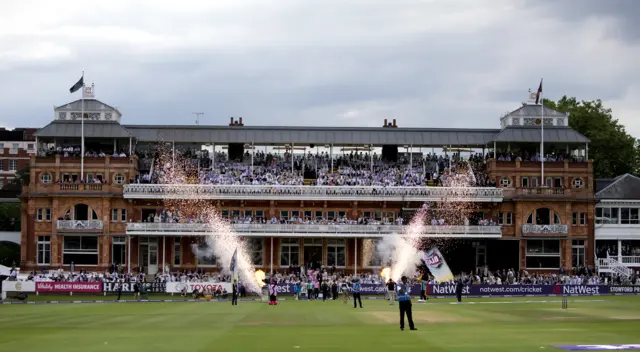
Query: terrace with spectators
x,y
344,185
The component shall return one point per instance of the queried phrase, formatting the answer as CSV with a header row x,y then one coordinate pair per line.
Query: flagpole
x,y
544,183
82,131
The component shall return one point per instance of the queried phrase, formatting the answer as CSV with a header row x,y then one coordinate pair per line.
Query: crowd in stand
x,y
354,169
549,157
76,151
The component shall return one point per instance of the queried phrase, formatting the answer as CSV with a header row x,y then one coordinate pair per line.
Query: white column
x,y
411,158
164,251
494,150
115,147
620,251
129,255
252,152
355,260
173,153
331,156
271,270
292,146
130,146
586,152
371,157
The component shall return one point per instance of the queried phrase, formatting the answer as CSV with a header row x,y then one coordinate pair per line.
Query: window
x,y
80,250
371,256
505,181
289,252
225,213
607,215
557,182
123,216
176,251
284,215
342,214
331,215
114,215
44,214
525,182
30,146
505,218
549,182
534,182
628,216
579,219
336,253
89,177
543,254
235,214
319,214
295,215
577,183
248,214
255,246
1,147
577,253
13,165
205,258
45,178
44,250
118,179
1,164
259,214
119,250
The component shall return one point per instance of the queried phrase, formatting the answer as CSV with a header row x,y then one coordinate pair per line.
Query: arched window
x,y
544,216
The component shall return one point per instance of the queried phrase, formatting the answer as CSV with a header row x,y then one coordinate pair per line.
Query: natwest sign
x,y
67,287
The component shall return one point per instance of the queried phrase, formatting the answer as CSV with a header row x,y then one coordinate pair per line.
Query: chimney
x,y
240,123
394,123
231,121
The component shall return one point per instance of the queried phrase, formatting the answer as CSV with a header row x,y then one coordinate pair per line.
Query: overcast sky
x,y
453,63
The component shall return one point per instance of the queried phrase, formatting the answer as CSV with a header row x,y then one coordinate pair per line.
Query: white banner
x,y
179,287
18,286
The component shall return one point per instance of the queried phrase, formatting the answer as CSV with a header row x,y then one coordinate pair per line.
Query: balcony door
x,y
149,254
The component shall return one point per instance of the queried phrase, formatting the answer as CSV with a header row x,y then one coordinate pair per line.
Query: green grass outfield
x,y
500,324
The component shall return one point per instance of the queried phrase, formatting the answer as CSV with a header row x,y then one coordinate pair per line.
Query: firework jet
x,y
221,240
401,249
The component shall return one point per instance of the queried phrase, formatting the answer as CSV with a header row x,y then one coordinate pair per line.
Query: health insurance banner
x,y
68,287
437,265
179,287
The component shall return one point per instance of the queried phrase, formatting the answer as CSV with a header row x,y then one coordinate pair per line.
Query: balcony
x,y
297,230
604,265
250,192
71,189
555,229
79,225
546,192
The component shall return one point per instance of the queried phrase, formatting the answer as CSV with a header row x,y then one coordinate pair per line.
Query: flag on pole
x,y
234,265
78,85
539,93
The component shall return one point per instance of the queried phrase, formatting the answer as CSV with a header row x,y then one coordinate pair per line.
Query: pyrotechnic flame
x,y
386,273
259,275
222,240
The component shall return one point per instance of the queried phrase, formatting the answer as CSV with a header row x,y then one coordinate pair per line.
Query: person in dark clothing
x,y
334,291
356,294
234,294
325,291
459,287
119,289
391,291
404,301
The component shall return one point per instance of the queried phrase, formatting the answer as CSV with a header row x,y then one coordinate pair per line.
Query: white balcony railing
x,y
624,265
354,193
287,230
531,229
79,225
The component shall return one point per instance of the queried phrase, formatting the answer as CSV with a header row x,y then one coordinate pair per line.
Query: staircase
x,y
618,267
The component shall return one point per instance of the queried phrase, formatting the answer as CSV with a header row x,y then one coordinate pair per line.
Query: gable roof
x,y
530,110
89,105
534,134
622,187
92,129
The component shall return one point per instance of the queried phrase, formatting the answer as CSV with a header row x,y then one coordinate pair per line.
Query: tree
x,y
614,152
9,216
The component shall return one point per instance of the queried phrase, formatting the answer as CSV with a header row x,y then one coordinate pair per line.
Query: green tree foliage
x,y
9,216
9,253
614,152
